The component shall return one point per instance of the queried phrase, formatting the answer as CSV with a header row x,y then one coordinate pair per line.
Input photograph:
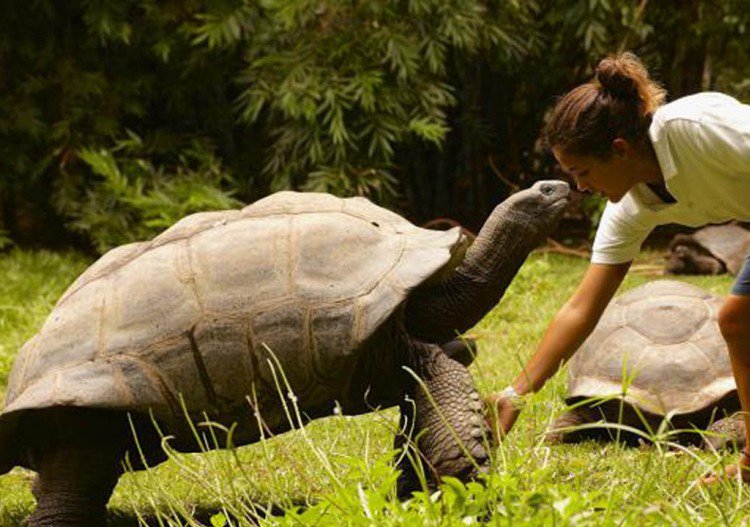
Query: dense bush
x,y
120,196
430,106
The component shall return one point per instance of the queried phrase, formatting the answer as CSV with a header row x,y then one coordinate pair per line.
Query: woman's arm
x,y
573,323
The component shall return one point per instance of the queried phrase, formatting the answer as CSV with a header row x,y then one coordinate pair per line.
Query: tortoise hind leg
x,y
78,465
73,488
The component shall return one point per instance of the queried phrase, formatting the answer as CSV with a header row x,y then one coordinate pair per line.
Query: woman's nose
x,y
581,186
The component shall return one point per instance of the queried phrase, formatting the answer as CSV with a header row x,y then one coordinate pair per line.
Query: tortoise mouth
x,y
556,208
556,194
560,203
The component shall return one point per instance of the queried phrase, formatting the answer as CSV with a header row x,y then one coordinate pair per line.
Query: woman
x,y
685,162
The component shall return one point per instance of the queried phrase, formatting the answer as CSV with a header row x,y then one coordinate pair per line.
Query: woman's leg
x,y
734,321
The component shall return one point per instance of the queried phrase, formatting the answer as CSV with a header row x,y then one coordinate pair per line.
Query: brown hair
x,y
618,102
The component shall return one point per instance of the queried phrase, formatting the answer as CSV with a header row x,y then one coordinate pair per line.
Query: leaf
x,y
218,520
429,129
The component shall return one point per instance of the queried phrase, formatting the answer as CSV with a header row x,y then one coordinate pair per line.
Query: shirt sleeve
x,y
620,234
718,131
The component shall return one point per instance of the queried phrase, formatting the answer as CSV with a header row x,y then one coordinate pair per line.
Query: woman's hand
x,y
501,414
731,472
573,323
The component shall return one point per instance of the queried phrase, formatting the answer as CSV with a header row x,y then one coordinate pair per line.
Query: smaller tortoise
x,y
715,249
664,335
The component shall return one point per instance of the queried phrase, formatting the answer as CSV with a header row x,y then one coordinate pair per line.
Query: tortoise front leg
x,y
462,350
564,430
448,416
726,433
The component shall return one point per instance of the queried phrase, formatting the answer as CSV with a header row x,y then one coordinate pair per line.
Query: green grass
x,y
336,470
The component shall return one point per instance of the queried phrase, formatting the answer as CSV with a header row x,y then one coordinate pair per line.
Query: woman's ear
x,y
621,147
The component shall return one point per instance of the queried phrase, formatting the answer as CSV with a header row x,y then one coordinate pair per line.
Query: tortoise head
x,y
540,207
517,225
685,259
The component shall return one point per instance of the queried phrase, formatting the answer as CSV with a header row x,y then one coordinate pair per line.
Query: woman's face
x,y
612,177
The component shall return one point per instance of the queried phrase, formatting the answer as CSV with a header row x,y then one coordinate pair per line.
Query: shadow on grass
x,y
122,519
202,515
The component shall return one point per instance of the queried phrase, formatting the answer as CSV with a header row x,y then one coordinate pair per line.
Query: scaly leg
x,y
78,465
729,432
449,422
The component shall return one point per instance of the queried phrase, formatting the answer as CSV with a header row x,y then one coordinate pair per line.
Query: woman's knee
x,y
734,319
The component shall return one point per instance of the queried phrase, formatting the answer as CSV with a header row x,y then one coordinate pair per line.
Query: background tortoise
x,y
715,249
340,294
665,335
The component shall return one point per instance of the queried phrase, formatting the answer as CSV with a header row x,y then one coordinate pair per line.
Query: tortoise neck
x,y
437,313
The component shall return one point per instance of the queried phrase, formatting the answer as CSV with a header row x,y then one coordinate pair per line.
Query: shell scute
x,y
193,224
68,336
331,346
139,312
281,338
242,264
730,243
344,270
290,203
222,342
667,319
109,262
172,366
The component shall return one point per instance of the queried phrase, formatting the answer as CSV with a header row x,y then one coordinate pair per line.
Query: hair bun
x,y
621,75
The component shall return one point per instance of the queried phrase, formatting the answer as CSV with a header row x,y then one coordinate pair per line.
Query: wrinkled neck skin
x,y
438,312
503,244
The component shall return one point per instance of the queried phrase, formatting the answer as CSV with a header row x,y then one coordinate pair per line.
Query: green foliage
x,y
379,185
98,69
593,207
130,199
409,98
5,240
599,26
340,86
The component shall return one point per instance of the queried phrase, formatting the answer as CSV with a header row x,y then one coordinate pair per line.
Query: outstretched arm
x,y
573,323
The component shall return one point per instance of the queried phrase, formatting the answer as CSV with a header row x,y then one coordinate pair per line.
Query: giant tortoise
x,y
226,317
714,249
656,353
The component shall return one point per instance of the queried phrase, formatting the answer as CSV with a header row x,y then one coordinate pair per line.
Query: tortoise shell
x,y
199,315
660,345
729,243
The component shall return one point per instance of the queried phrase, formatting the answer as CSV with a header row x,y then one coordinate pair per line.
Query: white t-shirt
x,y
702,143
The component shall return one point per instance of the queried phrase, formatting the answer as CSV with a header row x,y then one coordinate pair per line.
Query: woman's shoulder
x,y
701,121
699,107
